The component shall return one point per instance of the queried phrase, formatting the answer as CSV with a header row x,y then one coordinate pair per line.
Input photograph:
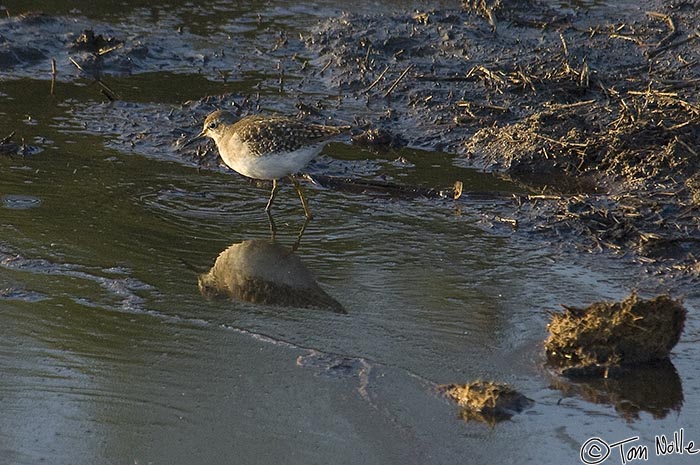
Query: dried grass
x,y
608,335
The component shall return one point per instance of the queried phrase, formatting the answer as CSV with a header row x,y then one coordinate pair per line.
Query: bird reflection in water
x,y
265,272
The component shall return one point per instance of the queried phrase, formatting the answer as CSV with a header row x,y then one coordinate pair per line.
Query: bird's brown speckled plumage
x,y
266,134
276,134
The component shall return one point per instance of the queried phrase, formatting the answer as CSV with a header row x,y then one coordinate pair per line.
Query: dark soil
x,y
607,97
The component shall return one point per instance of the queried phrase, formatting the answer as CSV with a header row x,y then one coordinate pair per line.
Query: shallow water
x,y
111,354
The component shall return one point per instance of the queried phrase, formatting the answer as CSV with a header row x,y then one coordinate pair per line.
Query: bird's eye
x,y
212,125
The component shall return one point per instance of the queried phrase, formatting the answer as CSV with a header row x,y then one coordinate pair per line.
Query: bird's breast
x,y
238,156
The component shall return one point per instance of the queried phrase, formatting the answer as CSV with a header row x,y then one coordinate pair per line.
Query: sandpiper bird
x,y
267,147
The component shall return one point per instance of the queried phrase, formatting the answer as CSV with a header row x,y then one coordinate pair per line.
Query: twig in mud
x,y
485,10
366,62
106,91
432,77
562,143
523,79
656,51
77,65
491,18
307,109
223,74
626,37
652,92
53,75
671,27
376,81
497,78
512,222
466,105
396,82
108,95
584,76
466,110
8,138
326,66
496,108
543,197
563,42
105,51
687,147
667,98
566,106
680,84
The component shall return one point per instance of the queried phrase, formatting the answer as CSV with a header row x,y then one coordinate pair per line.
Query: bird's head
x,y
214,126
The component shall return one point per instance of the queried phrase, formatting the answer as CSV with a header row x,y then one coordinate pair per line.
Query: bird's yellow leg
x,y
272,196
304,203
273,230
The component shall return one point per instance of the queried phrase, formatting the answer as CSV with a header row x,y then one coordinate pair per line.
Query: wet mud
x,y
595,117
598,110
606,98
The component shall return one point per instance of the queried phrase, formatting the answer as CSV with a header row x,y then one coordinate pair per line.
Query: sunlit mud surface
x,y
136,327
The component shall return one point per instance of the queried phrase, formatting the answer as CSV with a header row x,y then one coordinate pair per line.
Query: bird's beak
x,y
199,136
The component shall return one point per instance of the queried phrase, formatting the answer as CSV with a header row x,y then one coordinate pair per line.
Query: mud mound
x,y
523,12
647,136
98,44
486,401
614,105
605,336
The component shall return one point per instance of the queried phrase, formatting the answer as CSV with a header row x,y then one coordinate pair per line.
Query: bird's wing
x,y
272,134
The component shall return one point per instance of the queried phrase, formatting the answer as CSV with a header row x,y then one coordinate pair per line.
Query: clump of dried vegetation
x,y
486,401
618,105
605,337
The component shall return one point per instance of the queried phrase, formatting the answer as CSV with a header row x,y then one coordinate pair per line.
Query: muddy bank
x,y
606,97
597,109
